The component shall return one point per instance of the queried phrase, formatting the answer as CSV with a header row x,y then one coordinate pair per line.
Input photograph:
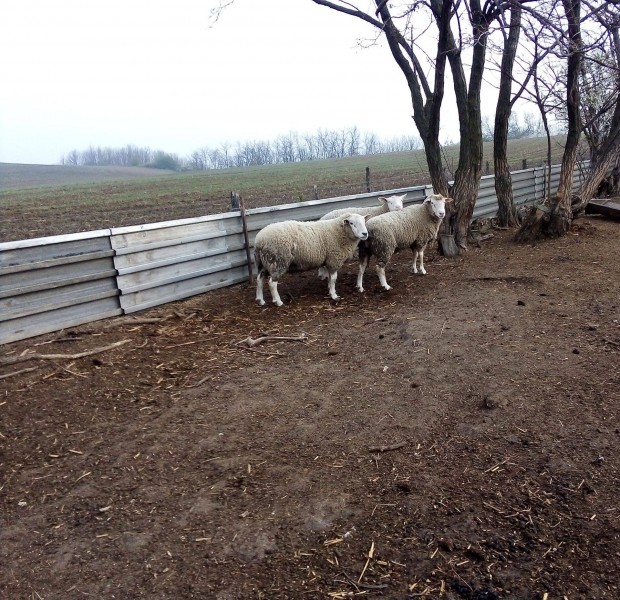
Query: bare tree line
x,y
296,147
288,148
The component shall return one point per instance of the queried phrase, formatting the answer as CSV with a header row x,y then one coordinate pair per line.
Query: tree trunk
x,y
596,174
507,212
561,213
555,219
467,176
608,152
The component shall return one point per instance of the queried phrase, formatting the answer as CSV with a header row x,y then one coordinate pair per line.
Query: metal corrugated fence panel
x,y
48,284
314,209
162,262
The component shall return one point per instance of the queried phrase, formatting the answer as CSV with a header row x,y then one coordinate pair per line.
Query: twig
x,y
206,378
262,351
251,342
371,553
366,586
37,356
137,321
387,448
18,372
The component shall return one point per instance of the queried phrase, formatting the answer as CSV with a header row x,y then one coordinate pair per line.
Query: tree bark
x,y
469,171
555,219
507,212
561,214
608,151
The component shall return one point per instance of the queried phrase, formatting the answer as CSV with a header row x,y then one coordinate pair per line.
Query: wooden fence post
x,y
368,179
525,163
234,201
246,240
316,192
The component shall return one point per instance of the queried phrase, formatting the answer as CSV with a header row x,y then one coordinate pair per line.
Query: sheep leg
x,y
418,252
259,288
273,288
332,285
414,269
421,254
381,273
360,275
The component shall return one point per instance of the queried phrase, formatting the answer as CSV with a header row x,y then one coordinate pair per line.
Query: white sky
x,y
75,73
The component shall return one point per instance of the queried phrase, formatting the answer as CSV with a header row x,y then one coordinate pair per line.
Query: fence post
x,y
488,167
316,192
239,202
368,179
234,201
525,163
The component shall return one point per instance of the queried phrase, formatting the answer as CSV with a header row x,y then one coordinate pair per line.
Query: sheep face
x,y
436,205
356,226
393,202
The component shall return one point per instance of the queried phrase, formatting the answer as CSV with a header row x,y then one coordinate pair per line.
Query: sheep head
x,y
393,202
436,205
356,224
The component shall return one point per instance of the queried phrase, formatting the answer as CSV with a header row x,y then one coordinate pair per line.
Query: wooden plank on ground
x,y
609,207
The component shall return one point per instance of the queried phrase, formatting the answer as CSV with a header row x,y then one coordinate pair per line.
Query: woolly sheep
x,y
388,204
300,246
413,227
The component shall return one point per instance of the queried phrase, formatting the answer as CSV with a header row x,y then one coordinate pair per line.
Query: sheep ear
x,y
383,199
448,200
366,217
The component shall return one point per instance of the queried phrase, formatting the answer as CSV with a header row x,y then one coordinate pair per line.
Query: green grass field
x,y
38,200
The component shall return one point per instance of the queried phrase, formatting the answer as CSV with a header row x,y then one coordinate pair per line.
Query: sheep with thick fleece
x,y
300,246
413,227
387,205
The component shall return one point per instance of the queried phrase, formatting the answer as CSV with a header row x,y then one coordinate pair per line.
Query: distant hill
x,y
20,176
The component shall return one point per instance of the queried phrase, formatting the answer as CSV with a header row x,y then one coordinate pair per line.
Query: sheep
x,y
387,205
300,246
413,227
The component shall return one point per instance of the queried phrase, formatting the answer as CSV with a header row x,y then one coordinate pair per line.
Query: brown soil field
x,y
455,438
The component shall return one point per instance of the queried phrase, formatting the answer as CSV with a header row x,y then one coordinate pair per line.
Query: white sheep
x,y
300,246
413,227
387,205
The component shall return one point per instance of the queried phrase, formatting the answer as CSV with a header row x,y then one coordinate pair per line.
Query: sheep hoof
x,y
360,290
261,302
387,288
336,298
278,303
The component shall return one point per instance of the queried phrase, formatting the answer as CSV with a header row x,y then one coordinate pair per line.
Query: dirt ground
x,y
456,437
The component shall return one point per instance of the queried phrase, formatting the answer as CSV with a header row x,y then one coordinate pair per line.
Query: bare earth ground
x,y
183,464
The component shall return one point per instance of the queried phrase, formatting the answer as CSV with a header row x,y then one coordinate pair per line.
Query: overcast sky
x,y
76,73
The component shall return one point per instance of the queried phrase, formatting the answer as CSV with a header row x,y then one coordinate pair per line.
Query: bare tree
x,y
507,212
555,219
472,22
601,103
